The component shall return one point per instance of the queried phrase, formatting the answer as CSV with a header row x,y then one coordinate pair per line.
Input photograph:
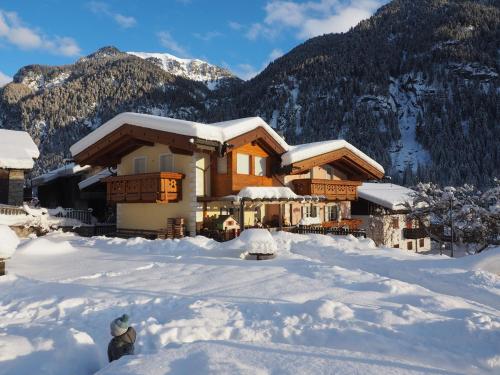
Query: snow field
x,y
326,304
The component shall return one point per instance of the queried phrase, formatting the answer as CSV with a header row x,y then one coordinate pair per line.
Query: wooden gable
x,y
345,160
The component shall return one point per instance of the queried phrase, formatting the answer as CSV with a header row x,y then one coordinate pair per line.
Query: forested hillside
x,y
416,86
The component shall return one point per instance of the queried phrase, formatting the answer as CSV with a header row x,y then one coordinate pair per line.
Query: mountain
x,y
416,86
194,69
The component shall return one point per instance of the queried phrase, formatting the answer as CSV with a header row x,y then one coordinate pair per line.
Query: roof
x,y
94,178
390,196
17,150
220,132
67,170
309,150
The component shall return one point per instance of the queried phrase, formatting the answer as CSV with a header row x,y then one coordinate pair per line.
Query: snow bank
x,y
17,150
44,246
8,242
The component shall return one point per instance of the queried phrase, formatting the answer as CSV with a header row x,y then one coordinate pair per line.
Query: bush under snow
x,y
8,242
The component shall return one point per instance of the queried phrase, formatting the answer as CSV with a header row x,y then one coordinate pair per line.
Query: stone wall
x,y
16,187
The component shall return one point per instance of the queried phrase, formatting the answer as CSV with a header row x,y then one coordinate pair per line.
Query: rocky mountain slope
x,y
416,86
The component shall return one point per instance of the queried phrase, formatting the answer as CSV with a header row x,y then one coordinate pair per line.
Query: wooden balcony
x,y
160,187
333,190
414,233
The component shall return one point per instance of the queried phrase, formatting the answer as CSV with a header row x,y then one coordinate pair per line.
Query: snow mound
x,y
8,242
42,247
253,241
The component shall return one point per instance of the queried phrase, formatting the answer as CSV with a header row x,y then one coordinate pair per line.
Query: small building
x,y
226,222
73,186
17,155
383,214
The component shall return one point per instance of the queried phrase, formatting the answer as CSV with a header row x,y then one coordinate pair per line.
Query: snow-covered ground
x,y
325,304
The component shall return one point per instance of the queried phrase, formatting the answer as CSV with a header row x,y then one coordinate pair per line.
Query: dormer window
x,y
242,163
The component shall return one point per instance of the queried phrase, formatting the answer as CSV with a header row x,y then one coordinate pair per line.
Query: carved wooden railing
x,y
160,187
335,190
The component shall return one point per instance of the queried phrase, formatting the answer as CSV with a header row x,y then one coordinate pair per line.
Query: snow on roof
x,y
66,170
389,196
221,131
17,149
309,150
94,178
258,192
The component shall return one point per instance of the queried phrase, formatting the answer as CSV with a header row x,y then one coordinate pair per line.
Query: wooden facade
x,y
161,187
333,190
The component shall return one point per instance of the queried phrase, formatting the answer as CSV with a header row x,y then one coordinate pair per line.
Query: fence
x,y
11,210
85,216
335,231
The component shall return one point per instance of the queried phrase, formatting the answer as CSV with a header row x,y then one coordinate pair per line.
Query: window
x,y
222,165
242,164
307,211
140,165
410,245
329,172
396,246
310,211
395,222
166,163
260,166
332,213
421,242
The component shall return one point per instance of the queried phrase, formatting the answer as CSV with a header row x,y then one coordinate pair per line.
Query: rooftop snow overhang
x,y
340,154
127,132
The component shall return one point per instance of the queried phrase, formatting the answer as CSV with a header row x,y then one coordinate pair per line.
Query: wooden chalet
x,y
168,168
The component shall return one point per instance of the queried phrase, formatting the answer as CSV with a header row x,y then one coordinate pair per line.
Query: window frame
x,y
238,164
145,158
255,163
173,161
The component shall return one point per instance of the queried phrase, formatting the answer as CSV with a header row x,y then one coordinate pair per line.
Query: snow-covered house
x,y
381,207
17,155
170,168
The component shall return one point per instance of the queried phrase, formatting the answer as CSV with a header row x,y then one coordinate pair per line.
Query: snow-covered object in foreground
x,y
310,150
267,193
390,196
220,132
17,150
250,241
8,242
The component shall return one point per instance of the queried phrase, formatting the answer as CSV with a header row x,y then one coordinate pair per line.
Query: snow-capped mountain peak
x,y
193,69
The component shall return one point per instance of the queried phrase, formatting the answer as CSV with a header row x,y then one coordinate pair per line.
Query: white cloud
x,y
167,41
248,71
235,25
15,32
4,79
275,53
312,18
124,21
208,36
98,7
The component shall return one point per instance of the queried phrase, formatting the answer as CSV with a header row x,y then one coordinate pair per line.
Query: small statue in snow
x,y
123,339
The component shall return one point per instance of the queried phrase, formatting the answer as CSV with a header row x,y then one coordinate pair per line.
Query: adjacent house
x,y
168,168
381,207
73,186
17,155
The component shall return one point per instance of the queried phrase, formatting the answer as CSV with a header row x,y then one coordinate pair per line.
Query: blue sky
x,y
242,35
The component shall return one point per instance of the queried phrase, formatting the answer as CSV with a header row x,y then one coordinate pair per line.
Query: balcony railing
x,y
414,233
160,187
335,190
